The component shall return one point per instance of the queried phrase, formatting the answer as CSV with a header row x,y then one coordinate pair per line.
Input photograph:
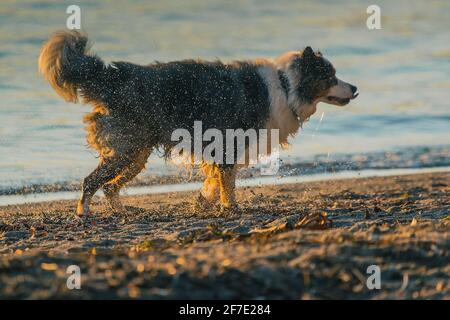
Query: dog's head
x,y
314,79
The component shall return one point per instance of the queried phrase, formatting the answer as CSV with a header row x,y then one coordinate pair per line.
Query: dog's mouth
x,y
340,101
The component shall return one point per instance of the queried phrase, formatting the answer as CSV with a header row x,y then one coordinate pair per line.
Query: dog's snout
x,y
353,88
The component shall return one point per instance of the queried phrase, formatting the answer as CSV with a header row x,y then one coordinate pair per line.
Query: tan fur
x,y
53,55
112,188
210,189
96,136
227,186
220,184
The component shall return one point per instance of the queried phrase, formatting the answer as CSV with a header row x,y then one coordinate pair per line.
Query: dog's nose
x,y
353,88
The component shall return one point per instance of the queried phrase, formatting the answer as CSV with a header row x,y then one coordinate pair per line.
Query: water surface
x,y
402,71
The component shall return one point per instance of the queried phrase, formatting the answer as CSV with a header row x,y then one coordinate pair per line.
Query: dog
x,y
136,108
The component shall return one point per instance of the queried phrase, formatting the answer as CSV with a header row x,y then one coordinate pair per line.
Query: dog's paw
x,y
82,210
229,209
201,203
118,209
115,205
132,209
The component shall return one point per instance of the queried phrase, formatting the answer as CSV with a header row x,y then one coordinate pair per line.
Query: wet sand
x,y
300,241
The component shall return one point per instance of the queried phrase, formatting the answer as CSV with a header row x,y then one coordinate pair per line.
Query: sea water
x,y
402,72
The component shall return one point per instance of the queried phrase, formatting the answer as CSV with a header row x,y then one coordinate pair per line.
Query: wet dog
x,y
136,108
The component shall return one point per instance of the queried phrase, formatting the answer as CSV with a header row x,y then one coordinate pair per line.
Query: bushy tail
x,y
64,63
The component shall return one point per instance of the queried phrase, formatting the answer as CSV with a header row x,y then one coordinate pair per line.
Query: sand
x,y
300,241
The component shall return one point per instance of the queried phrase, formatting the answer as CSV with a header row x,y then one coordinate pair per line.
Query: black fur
x,y
137,108
161,97
317,75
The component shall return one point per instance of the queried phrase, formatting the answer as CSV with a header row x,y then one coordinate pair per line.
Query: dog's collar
x,y
284,81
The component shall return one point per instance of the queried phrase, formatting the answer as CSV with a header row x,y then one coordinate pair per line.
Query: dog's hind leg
x,y
112,188
107,169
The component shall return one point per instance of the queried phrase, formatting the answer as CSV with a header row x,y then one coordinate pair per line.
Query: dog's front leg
x,y
210,190
227,186
209,193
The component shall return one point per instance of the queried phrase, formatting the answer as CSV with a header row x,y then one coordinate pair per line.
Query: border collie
x,y
136,108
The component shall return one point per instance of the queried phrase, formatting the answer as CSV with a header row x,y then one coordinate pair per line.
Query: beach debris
x,y
405,195
140,268
33,232
219,257
49,266
405,282
316,221
440,286
313,221
15,235
376,208
273,229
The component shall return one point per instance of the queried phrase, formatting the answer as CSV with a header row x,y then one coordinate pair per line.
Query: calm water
x,y
402,71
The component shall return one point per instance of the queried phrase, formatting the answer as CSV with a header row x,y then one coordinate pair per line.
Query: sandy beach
x,y
299,241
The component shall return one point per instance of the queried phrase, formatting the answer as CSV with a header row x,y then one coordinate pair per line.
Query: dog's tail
x,y
64,63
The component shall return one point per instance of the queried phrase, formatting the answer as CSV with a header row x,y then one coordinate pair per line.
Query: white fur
x,y
286,113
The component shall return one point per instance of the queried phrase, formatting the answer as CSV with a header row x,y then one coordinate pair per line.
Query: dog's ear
x,y
308,54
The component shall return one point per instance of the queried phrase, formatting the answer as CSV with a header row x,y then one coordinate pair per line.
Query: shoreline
x,y
310,240
15,199
396,158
